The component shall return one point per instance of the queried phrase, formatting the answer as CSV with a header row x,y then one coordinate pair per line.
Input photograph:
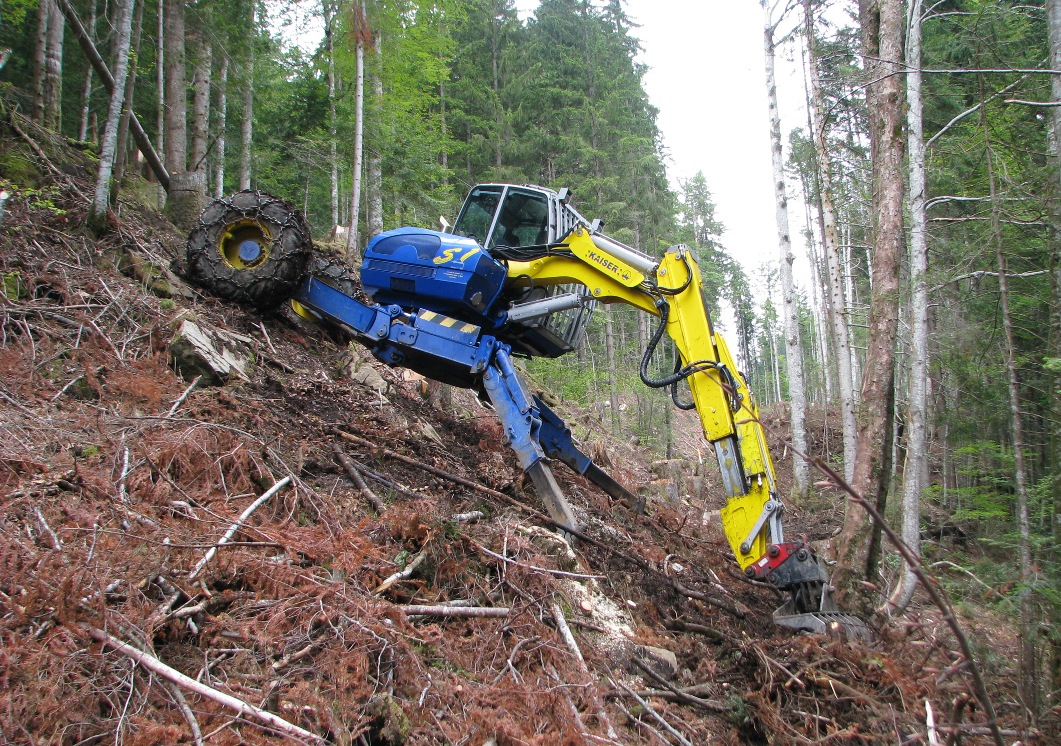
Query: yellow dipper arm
x,y
728,414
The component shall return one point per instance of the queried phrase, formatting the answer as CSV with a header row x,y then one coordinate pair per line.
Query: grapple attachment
x,y
794,566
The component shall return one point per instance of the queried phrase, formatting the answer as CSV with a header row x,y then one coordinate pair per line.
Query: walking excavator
x,y
518,275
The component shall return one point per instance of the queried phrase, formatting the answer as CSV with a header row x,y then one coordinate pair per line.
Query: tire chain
x,y
273,281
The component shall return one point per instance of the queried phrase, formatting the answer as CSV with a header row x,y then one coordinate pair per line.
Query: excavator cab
x,y
515,216
541,320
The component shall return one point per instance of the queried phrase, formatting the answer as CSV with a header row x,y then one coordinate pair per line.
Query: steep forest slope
x,y
130,551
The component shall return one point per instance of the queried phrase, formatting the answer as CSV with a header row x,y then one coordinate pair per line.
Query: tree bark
x,y
53,69
859,541
353,251
40,61
160,81
916,428
222,115
86,89
122,150
790,311
333,156
185,195
101,199
830,246
1053,18
176,102
204,58
374,195
247,125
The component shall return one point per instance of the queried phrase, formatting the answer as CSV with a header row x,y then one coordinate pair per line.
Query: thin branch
x,y
180,400
549,570
1031,103
404,573
659,718
358,480
153,664
238,523
459,611
56,544
972,110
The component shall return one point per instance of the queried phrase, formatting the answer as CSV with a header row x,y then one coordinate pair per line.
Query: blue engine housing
x,y
419,268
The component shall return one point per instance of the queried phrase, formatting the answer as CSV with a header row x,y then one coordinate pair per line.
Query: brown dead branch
x,y
710,633
168,673
659,718
390,483
679,695
355,476
426,467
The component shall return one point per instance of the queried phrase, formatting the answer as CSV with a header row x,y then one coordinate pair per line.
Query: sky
x,y
706,75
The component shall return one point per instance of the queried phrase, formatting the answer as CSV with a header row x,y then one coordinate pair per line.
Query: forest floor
x,y
118,569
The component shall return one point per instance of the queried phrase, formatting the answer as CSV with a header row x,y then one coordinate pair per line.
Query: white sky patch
x,y
706,75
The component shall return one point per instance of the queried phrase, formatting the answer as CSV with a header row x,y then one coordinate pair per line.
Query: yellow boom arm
x,y
672,289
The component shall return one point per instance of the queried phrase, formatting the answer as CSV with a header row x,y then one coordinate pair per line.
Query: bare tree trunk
x,y
222,116
40,60
185,195
834,275
916,427
53,68
1029,690
86,89
859,543
609,352
333,156
122,151
247,125
374,201
353,250
1053,17
793,347
101,198
176,103
160,82
204,58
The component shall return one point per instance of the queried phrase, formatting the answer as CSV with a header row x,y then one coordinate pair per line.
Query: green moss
x,y
19,169
13,287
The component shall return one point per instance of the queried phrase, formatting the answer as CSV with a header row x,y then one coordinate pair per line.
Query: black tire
x,y
251,248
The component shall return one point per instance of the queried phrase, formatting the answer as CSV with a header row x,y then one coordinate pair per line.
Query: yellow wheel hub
x,y
245,244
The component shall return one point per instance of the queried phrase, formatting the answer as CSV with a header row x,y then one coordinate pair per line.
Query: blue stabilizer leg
x,y
555,438
523,423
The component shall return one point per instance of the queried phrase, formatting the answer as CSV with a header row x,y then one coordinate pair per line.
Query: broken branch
x,y
355,476
463,611
153,664
236,526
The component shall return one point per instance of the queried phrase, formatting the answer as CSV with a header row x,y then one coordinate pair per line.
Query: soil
x,y
116,482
